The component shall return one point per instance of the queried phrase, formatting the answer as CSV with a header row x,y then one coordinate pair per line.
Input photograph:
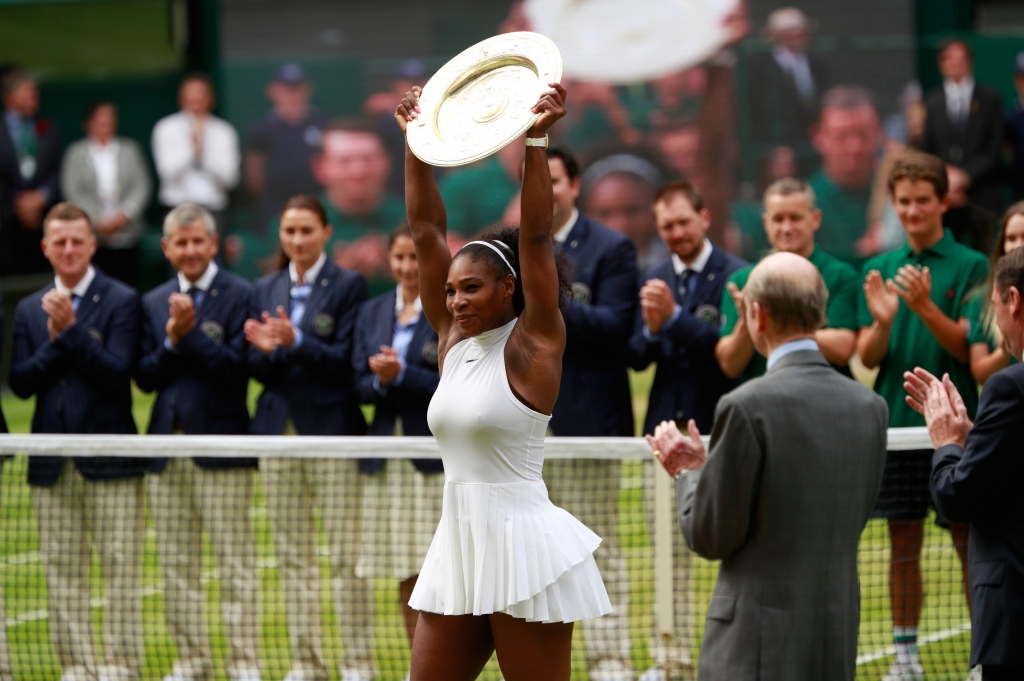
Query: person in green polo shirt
x,y
988,354
476,197
353,169
791,218
913,314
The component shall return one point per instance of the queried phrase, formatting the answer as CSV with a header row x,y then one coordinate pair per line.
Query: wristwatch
x,y
541,142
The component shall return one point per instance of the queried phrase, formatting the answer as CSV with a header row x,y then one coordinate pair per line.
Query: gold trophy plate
x,y
480,101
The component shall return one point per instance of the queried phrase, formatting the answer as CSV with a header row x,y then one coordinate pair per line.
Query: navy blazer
x,y
594,398
688,381
981,484
19,245
312,384
375,326
202,383
82,380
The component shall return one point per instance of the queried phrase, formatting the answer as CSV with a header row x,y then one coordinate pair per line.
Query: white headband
x,y
498,251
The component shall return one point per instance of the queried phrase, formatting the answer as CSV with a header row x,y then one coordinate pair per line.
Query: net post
x,y
664,525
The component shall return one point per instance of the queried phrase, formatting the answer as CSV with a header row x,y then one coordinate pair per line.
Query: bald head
x,y
790,293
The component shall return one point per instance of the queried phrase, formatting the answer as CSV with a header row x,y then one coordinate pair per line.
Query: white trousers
x,y
184,500
112,513
294,489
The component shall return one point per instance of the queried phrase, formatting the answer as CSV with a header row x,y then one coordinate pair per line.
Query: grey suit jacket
x,y
78,185
793,473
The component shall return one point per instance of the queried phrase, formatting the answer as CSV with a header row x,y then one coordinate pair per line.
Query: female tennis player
x,y
507,570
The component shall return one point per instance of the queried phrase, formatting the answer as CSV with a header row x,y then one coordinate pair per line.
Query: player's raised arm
x,y
429,223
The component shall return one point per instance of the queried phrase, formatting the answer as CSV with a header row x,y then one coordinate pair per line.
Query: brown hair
x,y
399,231
1009,272
688,191
988,317
13,79
301,202
950,42
66,212
918,166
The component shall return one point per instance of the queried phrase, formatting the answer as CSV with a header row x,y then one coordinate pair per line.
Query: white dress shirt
x,y
80,288
202,284
104,164
185,178
298,310
958,99
563,232
796,65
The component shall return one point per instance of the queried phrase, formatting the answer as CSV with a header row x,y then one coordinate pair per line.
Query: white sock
x,y
906,644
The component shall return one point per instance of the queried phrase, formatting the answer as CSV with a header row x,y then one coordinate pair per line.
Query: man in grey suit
x,y
795,467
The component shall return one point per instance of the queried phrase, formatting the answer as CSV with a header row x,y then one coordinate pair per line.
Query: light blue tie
x,y
300,294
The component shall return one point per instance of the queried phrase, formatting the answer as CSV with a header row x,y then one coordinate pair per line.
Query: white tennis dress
x,y
501,545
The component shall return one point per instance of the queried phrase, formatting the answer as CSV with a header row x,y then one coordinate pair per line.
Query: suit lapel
x,y
280,293
706,280
93,297
386,320
212,298
317,295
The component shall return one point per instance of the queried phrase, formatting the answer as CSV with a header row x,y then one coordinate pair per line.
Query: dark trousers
x,y
1001,672
120,263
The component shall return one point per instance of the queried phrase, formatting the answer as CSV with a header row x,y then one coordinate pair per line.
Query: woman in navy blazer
x,y
395,361
301,333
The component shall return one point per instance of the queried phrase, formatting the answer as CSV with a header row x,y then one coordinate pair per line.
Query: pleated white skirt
x,y
505,548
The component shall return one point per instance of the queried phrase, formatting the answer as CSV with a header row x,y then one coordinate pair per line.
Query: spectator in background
x,y
906,126
1015,130
786,86
618,191
380,109
75,344
677,328
108,177
791,220
30,157
282,144
195,152
194,357
476,197
353,168
989,353
964,127
848,137
594,400
913,314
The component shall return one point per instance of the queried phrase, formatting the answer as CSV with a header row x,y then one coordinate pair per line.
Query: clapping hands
x,y
269,333
676,452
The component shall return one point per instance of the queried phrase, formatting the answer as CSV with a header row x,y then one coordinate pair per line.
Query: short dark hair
x,y
572,166
950,42
95,105
1009,272
197,76
918,166
13,79
401,230
845,97
687,190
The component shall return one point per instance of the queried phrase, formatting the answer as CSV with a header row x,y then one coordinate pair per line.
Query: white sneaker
x,y
899,671
974,674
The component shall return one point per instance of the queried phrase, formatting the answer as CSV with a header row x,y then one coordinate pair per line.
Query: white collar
x,y
81,287
400,302
699,263
782,54
791,347
563,232
311,274
108,148
965,86
202,283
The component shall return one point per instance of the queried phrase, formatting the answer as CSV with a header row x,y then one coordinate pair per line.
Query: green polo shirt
x,y
844,218
842,283
476,197
956,272
349,228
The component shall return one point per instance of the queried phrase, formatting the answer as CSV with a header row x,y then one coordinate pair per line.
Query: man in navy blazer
x,y
594,400
977,475
677,328
75,343
194,356
30,157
